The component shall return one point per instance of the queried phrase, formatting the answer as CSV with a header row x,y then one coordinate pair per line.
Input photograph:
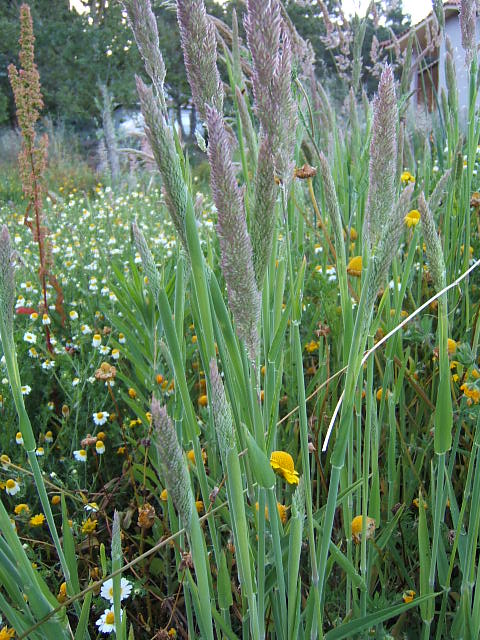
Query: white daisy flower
x,y
75,381
100,417
91,506
30,337
115,354
121,338
106,622
12,487
25,389
85,329
40,452
107,589
97,340
19,438
80,455
73,315
99,447
45,319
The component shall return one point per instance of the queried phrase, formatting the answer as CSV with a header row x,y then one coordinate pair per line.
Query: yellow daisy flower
x,y
282,463
412,218
354,267
357,525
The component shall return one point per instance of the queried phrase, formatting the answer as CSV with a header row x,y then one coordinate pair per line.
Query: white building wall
x,y
452,30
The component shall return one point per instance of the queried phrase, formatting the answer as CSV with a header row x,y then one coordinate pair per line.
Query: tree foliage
x,y
76,53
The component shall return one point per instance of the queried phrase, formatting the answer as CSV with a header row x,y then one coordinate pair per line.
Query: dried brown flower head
x,y
105,372
146,516
305,172
475,200
89,440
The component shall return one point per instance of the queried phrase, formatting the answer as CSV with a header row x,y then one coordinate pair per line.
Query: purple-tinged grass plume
x,y
143,23
235,245
383,159
275,108
263,218
200,54
468,23
222,414
162,143
331,201
271,51
173,462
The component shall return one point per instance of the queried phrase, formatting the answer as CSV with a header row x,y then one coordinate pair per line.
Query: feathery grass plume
x,y
451,77
173,462
432,244
235,245
331,202
263,25
389,240
468,20
383,159
161,141
151,271
275,108
222,414
271,51
263,218
7,285
143,23
200,54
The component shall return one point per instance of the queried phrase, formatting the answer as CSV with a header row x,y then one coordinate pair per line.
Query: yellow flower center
x,y
110,617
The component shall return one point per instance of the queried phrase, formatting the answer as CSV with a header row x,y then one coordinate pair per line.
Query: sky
x,y
418,9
